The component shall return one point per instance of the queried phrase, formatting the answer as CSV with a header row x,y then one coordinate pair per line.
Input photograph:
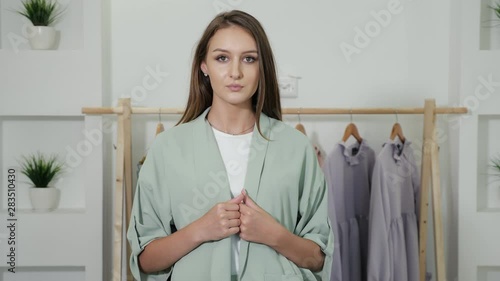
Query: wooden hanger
x,y
159,126
300,127
397,131
352,130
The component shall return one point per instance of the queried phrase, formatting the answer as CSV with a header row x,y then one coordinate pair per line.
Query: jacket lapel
x,y
209,167
213,183
256,157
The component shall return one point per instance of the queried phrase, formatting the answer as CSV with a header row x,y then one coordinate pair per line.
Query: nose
x,y
235,71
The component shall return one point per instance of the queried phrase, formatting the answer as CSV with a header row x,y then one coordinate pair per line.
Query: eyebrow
x,y
226,51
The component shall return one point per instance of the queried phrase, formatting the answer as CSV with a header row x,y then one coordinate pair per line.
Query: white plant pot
x,y
42,37
44,199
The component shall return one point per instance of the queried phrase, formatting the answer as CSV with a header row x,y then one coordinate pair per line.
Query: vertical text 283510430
x,y
11,220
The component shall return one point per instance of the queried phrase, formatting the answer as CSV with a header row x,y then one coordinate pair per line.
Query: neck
x,y
233,120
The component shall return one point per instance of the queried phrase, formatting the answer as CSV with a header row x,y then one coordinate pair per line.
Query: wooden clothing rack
x,y
430,175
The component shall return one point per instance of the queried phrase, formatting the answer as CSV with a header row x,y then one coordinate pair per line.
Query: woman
x,y
243,190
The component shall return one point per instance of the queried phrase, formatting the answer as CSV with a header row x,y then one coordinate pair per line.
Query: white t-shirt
x,y
234,150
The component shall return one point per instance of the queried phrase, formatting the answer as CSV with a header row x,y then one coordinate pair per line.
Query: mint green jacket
x,y
184,176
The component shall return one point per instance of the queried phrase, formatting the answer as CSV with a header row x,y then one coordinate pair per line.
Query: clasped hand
x,y
240,215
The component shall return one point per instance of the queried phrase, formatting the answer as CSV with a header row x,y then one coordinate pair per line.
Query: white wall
x,y
306,38
407,60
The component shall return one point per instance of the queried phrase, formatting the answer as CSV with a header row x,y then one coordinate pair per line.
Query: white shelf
x,y
489,210
13,27
58,211
28,273
488,273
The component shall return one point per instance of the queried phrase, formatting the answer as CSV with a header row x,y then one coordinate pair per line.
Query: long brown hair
x,y
267,97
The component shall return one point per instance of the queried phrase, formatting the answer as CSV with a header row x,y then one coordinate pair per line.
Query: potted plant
x,y
495,165
42,14
42,170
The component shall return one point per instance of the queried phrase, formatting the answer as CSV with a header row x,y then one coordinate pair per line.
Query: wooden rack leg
x,y
127,135
118,200
424,182
436,204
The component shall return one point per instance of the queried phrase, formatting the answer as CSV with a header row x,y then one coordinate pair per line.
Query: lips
x,y
235,87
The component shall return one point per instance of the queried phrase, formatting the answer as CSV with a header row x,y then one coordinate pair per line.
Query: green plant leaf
x,y
495,164
40,12
41,169
496,9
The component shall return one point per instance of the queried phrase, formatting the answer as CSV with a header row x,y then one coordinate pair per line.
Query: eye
x,y
249,59
222,58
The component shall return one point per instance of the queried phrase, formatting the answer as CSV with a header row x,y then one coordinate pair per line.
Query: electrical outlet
x,y
288,87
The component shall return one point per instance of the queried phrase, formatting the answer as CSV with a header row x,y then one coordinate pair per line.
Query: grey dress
x,y
393,241
348,173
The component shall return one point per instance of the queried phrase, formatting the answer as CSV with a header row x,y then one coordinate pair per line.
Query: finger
x,y
237,199
233,223
233,230
244,209
231,206
248,201
232,215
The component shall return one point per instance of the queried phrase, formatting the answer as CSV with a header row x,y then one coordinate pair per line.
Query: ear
x,y
204,67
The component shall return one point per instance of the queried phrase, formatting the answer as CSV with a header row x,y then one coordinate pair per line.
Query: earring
x,y
206,74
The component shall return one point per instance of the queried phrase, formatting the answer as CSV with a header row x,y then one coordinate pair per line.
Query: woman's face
x,y
232,66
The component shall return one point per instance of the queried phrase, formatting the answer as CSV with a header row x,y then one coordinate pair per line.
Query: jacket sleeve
x,y
146,223
313,222
379,256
